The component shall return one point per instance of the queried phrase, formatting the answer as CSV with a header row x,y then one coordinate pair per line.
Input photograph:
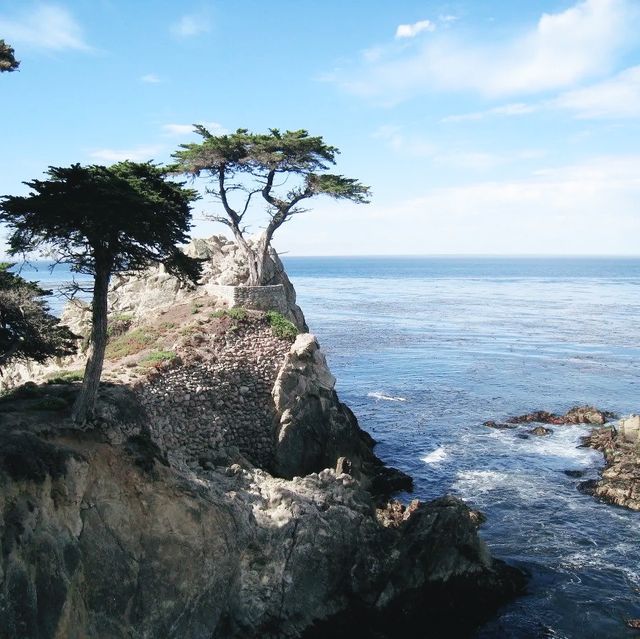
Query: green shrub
x,y
235,313
281,326
130,343
66,377
156,357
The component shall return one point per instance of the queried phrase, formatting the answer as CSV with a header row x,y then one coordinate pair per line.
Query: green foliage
x,y
66,377
103,220
28,331
131,343
122,218
284,168
235,313
8,61
281,326
157,357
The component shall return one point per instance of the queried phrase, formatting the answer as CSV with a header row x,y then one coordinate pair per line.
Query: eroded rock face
x,y
97,544
620,480
313,429
223,264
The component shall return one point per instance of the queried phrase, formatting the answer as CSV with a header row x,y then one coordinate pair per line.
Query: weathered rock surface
x,y
620,480
577,415
106,541
223,265
314,429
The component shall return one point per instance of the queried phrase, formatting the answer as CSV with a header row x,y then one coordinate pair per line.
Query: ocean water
x,y
426,349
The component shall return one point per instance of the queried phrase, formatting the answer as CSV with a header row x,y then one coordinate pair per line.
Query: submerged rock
x,y
540,431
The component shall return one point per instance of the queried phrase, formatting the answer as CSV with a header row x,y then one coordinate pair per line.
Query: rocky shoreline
x,y
224,492
619,483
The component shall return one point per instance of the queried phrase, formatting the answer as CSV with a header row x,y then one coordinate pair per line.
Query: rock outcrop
x,y
620,480
223,265
314,429
109,541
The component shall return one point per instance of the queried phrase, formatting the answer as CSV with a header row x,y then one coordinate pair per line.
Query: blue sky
x,y
483,127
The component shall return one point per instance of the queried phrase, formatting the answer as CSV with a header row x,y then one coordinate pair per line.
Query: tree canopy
x,y
28,331
8,61
103,220
284,168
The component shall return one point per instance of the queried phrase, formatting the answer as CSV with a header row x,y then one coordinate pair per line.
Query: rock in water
x,y
620,480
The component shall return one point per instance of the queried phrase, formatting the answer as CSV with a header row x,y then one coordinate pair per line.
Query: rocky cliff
x,y
224,491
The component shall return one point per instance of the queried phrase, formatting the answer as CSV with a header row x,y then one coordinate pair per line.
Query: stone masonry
x,y
220,397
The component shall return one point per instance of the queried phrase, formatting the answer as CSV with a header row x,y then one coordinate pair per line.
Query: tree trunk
x,y
250,255
261,257
84,407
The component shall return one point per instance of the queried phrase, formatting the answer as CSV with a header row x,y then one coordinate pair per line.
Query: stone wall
x,y
258,298
220,399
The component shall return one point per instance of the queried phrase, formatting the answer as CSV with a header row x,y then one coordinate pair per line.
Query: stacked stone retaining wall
x,y
259,298
221,399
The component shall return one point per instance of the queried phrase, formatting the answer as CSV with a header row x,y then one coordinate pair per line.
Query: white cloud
x,y
512,109
617,97
412,30
588,208
191,25
45,27
150,78
561,50
136,154
214,128
415,145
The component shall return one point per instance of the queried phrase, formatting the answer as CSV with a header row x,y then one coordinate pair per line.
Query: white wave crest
x,y
435,456
387,398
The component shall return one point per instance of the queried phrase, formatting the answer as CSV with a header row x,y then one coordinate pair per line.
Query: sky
x,y
482,127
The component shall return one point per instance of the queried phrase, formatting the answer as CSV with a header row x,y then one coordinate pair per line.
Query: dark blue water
x,y
426,349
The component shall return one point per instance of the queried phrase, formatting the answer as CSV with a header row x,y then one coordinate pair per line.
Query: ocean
x,y
427,349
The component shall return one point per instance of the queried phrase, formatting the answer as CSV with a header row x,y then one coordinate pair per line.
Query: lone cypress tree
x,y
103,220
28,331
286,169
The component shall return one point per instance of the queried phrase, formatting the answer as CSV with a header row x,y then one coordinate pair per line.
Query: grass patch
x,y
152,359
235,313
66,377
281,326
130,343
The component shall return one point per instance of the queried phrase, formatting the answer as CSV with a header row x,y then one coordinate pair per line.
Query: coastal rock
x,y
98,545
629,429
499,425
577,415
540,431
314,429
620,480
223,264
